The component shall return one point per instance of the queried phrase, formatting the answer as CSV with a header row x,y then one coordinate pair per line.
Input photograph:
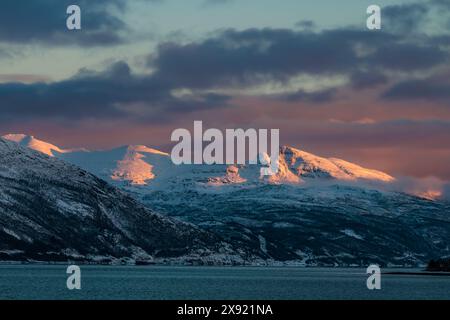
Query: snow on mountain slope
x,y
35,144
133,165
146,167
52,210
305,164
136,166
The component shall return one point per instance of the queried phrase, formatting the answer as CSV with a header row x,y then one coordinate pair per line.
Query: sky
x,y
137,70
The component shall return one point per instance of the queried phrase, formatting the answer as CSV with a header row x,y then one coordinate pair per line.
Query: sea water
x,y
48,282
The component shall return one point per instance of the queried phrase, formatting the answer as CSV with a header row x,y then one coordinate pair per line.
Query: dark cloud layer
x,y
408,57
410,19
106,95
405,18
254,56
44,21
366,79
430,90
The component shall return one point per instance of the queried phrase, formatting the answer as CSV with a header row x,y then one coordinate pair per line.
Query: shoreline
x,y
418,270
65,263
423,273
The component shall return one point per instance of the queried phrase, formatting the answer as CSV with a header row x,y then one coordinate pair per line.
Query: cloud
x,y
306,24
250,57
408,57
405,18
400,133
442,4
320,96
414,18
112,93
236,58
366,79
44,21
430,90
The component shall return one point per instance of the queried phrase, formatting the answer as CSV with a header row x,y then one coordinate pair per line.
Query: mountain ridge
x,y
133,163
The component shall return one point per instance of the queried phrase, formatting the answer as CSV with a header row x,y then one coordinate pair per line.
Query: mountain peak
x,y
18,137
308,165
128,163
33,143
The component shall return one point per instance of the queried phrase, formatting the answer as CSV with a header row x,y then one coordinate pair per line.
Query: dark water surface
x,y
155,282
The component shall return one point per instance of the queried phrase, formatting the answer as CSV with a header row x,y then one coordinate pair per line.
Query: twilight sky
x,y
140,69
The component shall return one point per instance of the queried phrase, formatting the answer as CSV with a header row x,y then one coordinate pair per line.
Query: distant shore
x,y
423,273
415,270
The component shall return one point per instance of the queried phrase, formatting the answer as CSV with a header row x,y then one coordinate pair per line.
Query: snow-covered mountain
x,y
38,145
143,166
52,210
315,211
